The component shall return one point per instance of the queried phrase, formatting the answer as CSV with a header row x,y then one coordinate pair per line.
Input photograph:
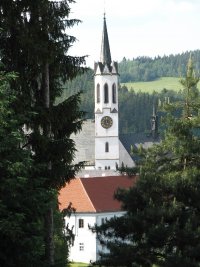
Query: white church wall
x,y
100,151
110,80
86,247
112,131
104,165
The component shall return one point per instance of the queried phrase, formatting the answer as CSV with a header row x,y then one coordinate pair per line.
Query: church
x,y
103,150
99,144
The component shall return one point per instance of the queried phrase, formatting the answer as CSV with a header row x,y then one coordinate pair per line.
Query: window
x,y
81,223
106,98
98,93
106,147
81,246
103,220
114,98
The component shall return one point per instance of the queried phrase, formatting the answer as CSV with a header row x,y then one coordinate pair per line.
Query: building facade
x,y
93,203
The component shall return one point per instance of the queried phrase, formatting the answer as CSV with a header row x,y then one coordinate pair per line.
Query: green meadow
x,y
168,83
78,264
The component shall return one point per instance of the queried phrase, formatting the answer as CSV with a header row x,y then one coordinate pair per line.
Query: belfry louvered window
x,y
98,93
114,97
106,97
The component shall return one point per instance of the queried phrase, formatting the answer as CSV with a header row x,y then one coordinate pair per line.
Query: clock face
x,y
106,122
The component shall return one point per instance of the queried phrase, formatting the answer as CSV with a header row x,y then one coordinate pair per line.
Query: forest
x,y
136,107
148,69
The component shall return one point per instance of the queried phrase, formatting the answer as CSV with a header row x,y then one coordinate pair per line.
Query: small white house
x,y
93,199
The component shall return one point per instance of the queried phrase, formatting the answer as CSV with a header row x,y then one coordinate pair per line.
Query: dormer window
x,y
106,97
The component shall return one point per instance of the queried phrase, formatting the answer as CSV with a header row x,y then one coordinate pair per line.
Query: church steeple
x,y
106,81
105,56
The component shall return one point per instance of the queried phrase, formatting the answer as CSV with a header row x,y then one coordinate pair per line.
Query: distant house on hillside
x,y
93,199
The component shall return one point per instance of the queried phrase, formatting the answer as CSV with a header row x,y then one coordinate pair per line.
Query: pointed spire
x,y
105,56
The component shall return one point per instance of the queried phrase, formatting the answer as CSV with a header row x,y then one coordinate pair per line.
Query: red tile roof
x,y
93,194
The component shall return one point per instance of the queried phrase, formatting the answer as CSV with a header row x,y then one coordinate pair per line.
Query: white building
x,y
93,199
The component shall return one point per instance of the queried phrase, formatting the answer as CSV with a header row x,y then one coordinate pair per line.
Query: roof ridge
x,y
87,193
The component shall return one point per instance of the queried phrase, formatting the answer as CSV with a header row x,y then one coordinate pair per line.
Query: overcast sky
x,y
136,27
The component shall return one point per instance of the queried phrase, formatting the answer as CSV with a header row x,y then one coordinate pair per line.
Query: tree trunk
x,y
49,225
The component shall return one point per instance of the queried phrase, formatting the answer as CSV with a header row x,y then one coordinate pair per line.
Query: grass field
x,y
169,83
78,264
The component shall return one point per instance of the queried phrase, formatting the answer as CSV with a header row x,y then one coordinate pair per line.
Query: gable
x,y
74,193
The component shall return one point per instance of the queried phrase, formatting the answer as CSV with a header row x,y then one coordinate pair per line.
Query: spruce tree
x,y
22,198
34,44
162,222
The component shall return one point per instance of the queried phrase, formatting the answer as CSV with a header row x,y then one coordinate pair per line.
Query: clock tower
x,y
106,108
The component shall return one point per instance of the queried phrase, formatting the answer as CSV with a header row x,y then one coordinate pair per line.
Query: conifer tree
x,y
34,43
21,196
162,222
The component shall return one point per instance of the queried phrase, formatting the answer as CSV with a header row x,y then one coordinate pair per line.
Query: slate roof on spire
x,y
105,56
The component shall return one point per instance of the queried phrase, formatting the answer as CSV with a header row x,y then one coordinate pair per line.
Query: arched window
x,y
106,97
106,147
114,97
98,93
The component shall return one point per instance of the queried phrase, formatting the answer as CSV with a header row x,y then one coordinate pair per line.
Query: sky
x,y
136,27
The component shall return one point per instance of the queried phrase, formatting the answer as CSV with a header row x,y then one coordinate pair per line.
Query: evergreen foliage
x,y
162,222
34,44
135,108
149,69
22,198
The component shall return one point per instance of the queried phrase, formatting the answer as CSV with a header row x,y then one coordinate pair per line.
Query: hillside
x,y
149,69
163,83
136,98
